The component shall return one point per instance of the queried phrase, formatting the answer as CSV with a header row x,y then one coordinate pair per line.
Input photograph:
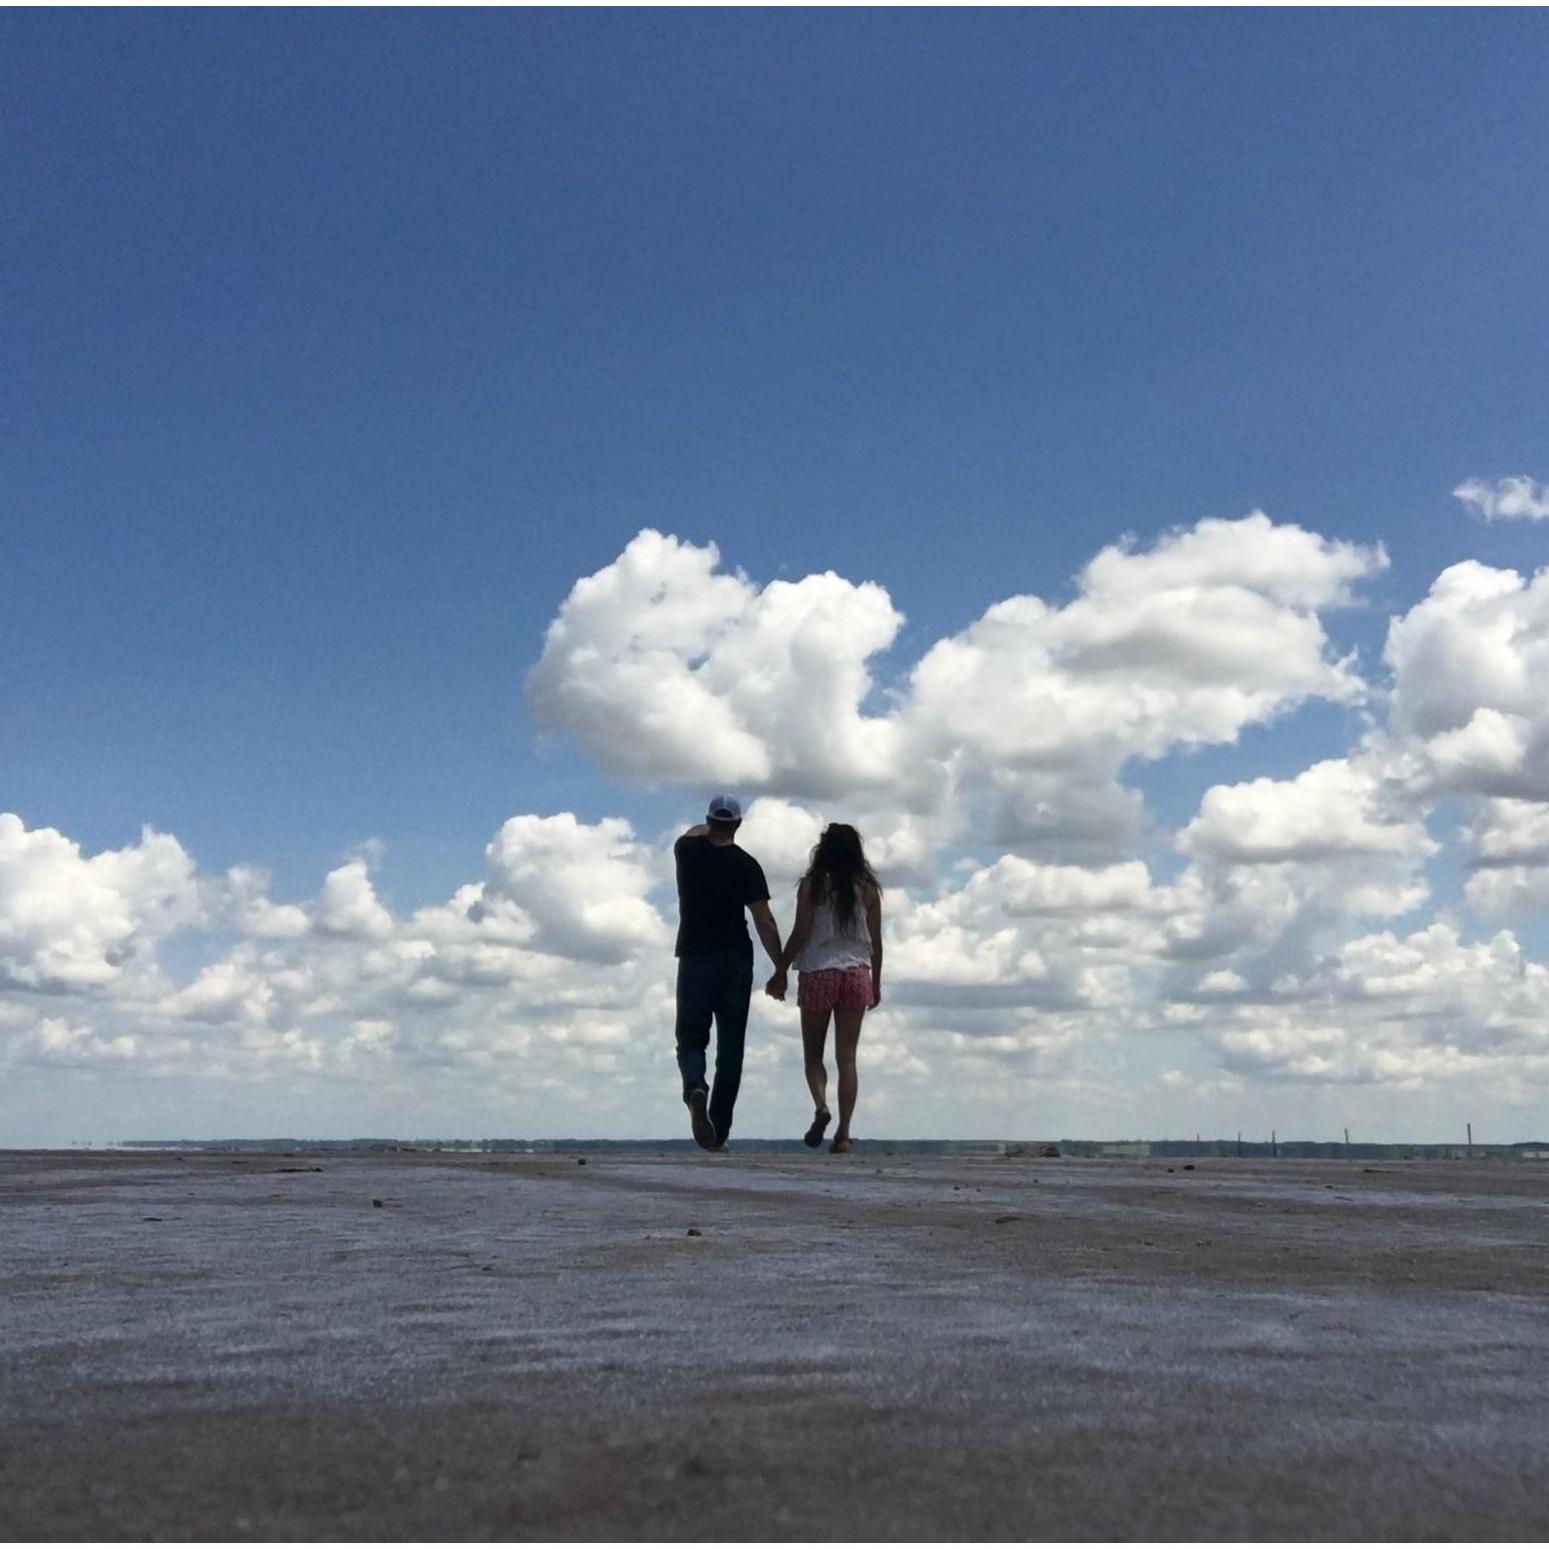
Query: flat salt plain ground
x,y
869,1346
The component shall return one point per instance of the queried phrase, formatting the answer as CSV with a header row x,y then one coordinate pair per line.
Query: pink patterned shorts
x,y
835,989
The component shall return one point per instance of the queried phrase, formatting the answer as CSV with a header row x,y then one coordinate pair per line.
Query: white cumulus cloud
x,y
582,884
1333,809
348,905
1035,917
1211,630
665,668
1519,498
1478,642
71,922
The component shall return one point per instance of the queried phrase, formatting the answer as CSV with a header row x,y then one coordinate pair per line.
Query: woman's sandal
x,y
820,1120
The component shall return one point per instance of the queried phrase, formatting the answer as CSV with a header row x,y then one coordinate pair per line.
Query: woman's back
x,y
836,943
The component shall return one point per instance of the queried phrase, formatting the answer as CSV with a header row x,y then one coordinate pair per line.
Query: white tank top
x,y
829,947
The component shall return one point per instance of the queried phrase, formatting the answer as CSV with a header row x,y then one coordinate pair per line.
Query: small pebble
x,y
694,1231
376,1204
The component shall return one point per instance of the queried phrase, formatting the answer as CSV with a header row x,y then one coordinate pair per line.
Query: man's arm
x,y
768,931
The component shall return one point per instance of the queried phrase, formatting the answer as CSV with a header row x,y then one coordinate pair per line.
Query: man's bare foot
x,y
840,1144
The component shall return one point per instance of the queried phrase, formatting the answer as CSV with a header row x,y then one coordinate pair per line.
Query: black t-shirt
x,y
716,882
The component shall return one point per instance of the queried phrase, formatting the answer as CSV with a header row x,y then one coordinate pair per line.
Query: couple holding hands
x,y
835,946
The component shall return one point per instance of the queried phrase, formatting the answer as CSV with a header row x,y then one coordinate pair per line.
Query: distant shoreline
x,y
1131,1150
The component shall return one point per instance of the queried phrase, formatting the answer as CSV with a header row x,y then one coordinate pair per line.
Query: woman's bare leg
x,y
814,1035
847,1033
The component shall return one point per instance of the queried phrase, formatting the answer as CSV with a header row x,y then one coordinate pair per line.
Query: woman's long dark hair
x,y
838,870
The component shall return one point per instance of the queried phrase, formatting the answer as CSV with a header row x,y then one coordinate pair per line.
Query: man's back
x,y
716,883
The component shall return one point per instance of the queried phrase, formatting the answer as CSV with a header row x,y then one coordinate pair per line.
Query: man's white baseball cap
x,y
724,809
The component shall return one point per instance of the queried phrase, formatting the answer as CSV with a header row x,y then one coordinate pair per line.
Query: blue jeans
x,y
714,986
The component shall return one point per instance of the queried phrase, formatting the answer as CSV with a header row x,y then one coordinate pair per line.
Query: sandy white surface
x,y
867,1346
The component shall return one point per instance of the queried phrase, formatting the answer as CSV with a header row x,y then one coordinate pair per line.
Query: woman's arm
x,y
874,930
801,929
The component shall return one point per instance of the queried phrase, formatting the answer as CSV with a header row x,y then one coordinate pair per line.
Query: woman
x,y
836,945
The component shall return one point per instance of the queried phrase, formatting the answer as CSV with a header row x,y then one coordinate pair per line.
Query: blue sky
x,y
341,344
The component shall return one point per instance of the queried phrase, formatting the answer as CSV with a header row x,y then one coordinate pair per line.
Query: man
x,y
717,881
